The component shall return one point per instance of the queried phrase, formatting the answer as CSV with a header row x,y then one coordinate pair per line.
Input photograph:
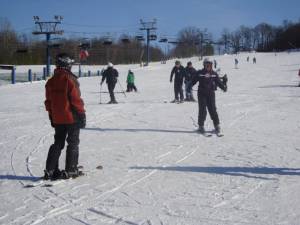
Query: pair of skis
x,y
207,133
48,183
210,133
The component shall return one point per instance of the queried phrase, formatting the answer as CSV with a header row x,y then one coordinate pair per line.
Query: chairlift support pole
x,y
48,28
148,26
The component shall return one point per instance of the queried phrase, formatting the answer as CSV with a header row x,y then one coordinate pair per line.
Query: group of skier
x,y
110,74
67,113
208,81
253,59
181,75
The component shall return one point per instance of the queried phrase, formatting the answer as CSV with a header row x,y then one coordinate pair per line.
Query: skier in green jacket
x,y
130,82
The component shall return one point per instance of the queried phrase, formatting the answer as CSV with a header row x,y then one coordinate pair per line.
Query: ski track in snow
x,y
156,170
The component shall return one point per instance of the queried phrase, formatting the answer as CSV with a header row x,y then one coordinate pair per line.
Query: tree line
x,y
262,38
18,48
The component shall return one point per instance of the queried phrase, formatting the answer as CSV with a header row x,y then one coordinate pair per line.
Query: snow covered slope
x,y
157,170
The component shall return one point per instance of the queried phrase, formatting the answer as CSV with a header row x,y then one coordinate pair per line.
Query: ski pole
x,y
194,122
121,88
100,92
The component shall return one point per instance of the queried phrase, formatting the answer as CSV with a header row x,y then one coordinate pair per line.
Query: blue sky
x,y
95,17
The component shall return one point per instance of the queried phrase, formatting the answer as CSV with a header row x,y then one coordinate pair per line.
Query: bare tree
x,y
225,40
235,41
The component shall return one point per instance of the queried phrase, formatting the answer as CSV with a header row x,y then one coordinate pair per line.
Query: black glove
x,y
225,88
51,121
225,79
170,80
81,120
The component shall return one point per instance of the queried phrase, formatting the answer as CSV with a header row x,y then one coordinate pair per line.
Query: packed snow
x,y
156,169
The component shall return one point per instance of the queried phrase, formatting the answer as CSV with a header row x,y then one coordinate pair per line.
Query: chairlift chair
x,y
153,37
140,38
163,40
107,41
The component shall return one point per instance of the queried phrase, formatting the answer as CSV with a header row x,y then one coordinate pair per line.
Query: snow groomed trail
x,y
156,169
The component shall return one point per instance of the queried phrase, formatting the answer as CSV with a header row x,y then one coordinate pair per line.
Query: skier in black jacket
x,y
179,72
208,82
190,72
111,76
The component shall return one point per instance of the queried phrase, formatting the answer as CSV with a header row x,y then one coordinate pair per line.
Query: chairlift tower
x,y
47,28
149,26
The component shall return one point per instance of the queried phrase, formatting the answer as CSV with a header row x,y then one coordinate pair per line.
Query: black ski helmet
x,y
177,62
64,60
189,63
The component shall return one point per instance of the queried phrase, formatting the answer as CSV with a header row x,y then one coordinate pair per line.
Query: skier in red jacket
x,y
67,116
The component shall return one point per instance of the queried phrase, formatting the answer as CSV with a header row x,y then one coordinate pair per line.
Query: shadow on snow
x,y
140,130
249,172
280,86
15,177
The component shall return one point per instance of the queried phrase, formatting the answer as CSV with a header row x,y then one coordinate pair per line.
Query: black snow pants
x,y
63,133
130,87
189,91
208,101
178,90
111,87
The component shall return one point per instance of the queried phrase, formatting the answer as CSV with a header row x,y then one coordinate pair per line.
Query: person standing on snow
x,y
111,76
190,72
179,72
67,116
208,82
236,62
130,82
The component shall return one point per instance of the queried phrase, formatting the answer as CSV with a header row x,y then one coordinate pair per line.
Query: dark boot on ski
x,y
201,130
174,101
71,174
52,174
217,129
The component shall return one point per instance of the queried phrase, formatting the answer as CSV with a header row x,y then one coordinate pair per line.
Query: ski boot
x,y
174,101
52,174
71,174
201,130
218,129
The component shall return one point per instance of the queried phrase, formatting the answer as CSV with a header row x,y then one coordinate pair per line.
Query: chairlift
x,y
84,45
140,38
163,40
107,41
153,37
173,42
125,40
